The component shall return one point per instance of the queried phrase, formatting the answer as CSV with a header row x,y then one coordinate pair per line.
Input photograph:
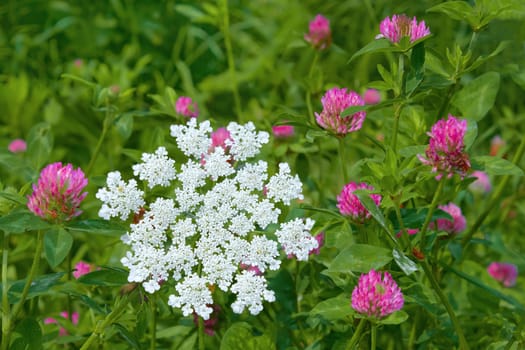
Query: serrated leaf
x,y
57,244
498,166
478,96
404,262
360,258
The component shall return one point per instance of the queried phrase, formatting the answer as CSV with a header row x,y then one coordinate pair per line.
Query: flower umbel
x,y
503,272
376,295
58,194
446,149
319,35
213,220
350,205
399,26
335,101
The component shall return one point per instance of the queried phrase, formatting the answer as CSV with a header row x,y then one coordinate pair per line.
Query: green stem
x,y
397,116
5,302
18,306
201,334
494,198
357,335
105,127
342,152
231,61
373,336
102,325
68,301
463,345
404,233
153,343
308,92
433,205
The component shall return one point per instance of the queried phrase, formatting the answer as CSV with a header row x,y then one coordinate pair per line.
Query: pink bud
x,y
17,146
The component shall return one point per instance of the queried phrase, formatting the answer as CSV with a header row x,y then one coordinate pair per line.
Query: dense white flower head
x,y
217,216
119,198
156,169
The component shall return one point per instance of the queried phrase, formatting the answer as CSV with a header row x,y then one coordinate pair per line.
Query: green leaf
x,y
498,166
417,60
333,309
129,337
22,221
478,96
98,227
41,285
458,10
471,134
378,45
124,125
107,277
352,110
397,317
14,197
361,258
30,335
404,262
57,244
370,205
240,337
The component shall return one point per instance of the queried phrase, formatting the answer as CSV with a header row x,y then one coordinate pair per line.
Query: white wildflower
x,y
251,292
283,186
156,169
194,296
296,239
252,176
191,140
217,164
245,142
119,198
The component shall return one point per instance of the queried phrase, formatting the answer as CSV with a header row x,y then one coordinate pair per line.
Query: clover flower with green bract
x,y
213,224
58,194
446,148
399,26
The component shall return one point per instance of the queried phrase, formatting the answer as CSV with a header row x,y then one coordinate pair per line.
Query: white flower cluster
x,y
212,230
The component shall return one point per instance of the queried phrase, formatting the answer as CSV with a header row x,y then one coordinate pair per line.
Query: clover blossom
x,y
503,272
186,107
62,331
81,268
400,26
458,223
335,101
377,295
482,183
350,205
446,149
58,194
319,34
17,146
283,131
215,218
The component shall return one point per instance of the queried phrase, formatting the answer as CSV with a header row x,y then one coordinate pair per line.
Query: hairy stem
x,y
308,92
29,280
102,325
105,127
342,154
463,345
5,302
223,5
428,218
357,334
